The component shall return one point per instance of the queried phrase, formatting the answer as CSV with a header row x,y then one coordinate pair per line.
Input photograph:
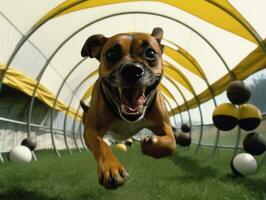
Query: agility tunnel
x,y
214,86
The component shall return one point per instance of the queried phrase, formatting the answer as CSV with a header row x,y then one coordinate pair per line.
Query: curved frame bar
x,y
201,127
181,118
81,137
1,158
197,100
166,100
203,76
69,105
74,126
264,156
56,99
183,97
214,101
238,137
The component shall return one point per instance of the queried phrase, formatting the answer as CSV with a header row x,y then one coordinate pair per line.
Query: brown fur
x,y
100,119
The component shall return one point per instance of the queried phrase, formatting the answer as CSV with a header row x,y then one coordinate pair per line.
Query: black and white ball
x,y
27,142
243,164
129,142
20,154
185,128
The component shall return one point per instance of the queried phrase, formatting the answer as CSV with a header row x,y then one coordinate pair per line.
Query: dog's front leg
x,y
161,144
110,171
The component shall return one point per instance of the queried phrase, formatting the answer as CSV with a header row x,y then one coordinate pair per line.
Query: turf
x,y
181,176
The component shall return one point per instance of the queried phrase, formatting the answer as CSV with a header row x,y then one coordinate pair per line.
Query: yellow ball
x,y
225,116
250,117
121,147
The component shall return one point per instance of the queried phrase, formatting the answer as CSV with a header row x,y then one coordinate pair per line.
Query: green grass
x,y
181,176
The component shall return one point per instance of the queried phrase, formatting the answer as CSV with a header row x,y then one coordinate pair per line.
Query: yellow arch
x,y
208,10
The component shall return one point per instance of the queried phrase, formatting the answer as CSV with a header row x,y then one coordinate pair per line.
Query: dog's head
x,y
130,69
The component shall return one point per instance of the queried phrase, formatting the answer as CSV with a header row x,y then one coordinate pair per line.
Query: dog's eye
x,y
114,53
150,54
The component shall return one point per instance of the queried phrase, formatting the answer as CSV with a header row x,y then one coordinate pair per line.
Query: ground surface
x,y
181,176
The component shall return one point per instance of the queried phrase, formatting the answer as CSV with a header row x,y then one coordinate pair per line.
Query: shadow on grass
x,y
22,194
193,170
253,184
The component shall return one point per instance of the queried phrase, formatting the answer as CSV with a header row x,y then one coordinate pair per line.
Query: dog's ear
x,y
84,107
158,34
93,46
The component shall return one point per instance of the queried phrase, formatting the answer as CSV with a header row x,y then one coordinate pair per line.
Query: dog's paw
x,y
158,146
112,174
150,140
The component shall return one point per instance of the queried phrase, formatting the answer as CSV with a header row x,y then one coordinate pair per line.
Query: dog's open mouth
x,y
131,102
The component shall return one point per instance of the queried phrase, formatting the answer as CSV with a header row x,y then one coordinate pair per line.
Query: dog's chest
x,y
122,130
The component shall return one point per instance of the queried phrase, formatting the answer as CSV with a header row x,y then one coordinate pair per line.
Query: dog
x,y
125,99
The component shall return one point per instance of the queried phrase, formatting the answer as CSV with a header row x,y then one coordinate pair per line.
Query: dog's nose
x,y
132,72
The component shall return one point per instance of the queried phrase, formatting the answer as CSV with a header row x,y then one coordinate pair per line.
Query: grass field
x,y
181,176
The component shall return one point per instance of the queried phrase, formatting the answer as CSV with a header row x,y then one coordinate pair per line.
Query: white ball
x,y
20,154
245,163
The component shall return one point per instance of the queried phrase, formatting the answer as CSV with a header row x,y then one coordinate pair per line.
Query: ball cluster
x,y
227,116
248,117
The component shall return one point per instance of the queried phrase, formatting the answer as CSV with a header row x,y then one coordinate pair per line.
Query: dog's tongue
x,y
133,98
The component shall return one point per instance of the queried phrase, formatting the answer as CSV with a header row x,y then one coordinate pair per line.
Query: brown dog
x,y
126,99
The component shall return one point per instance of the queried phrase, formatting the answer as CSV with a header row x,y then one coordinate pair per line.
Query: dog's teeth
x,y
120,89
124,110
143,88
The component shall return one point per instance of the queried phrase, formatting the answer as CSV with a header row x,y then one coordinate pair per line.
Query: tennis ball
x,y
225,116
250,117
237,92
